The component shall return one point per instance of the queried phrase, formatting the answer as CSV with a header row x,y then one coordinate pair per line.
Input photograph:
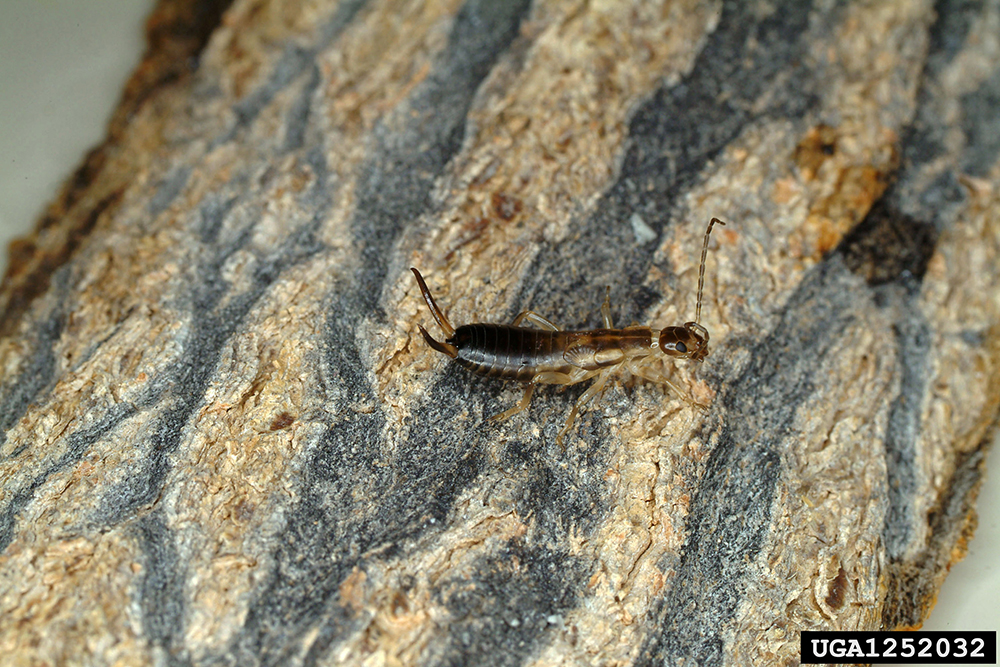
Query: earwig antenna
x,y
701,269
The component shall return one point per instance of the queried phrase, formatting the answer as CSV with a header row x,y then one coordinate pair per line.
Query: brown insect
x,y
547,355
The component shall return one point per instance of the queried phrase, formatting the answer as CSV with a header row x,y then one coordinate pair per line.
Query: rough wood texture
x,y
224,441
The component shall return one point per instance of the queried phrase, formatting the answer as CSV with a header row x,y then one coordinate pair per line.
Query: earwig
x,y
544,354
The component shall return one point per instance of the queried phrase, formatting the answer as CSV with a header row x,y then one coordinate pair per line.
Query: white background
x,y
62,67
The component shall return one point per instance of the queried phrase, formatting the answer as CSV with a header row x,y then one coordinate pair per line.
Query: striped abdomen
x,y
513,353
517,353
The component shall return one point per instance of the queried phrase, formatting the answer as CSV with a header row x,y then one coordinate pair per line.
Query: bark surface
x,y
223,440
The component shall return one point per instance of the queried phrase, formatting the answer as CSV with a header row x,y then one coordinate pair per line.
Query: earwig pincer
x,y
544,354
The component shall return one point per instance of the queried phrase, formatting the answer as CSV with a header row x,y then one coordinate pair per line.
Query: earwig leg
x,y
435,311
660,378
549,377
510,412
592,391
534,318
606,309
683,396
554,377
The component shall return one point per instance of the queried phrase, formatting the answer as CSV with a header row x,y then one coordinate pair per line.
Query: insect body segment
x,y
547,355
509,352
687,342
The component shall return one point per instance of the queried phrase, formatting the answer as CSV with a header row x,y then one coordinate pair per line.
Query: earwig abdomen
x,y
512,353
518,353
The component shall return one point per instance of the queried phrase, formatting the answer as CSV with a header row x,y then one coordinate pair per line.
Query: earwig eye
x,y
681,347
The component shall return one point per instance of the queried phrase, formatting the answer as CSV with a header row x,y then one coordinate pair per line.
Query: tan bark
x,y
225,442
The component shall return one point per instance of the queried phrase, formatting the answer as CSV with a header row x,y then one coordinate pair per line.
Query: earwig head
x,y
687,342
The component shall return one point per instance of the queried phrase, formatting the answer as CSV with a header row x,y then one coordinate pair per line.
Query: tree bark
x,y
224,440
